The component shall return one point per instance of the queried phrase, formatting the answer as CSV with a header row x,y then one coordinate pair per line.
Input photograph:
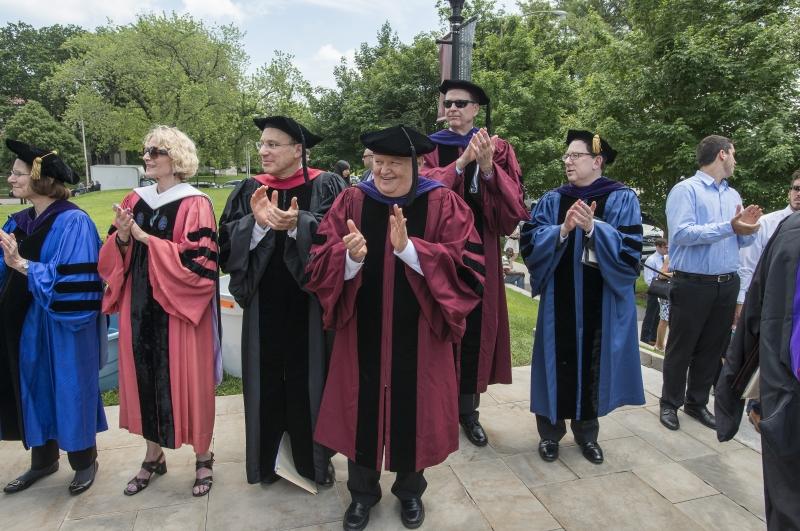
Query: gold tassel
x,y
36,168
596,146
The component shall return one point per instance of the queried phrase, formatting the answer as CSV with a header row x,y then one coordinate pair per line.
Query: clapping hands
x,y
745,222
268,214
579,215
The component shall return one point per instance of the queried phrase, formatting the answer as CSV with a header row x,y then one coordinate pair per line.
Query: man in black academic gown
x,y
266,232
768,336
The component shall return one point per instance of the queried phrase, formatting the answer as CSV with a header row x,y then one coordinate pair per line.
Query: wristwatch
x,y
24,266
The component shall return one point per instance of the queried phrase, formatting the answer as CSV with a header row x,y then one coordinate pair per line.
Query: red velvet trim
x,y
293,181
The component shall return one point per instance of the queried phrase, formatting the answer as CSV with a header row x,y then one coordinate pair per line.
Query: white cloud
x,y
82,12
318,69
214,9
328,53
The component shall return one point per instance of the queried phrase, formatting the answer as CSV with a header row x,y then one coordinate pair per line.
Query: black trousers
x,y
364,484
780,489
700,318
650,322
47,454
468,406
585,431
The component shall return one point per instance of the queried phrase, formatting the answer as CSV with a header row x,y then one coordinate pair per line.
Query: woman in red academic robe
x,y
160,268
392,392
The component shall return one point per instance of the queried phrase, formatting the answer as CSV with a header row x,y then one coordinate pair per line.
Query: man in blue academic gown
x,y
582,248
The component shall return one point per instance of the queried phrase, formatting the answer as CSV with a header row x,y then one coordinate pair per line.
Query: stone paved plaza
x,y
652,479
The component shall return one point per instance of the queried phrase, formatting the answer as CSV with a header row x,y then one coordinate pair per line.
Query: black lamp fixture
x,y
456,20
456,6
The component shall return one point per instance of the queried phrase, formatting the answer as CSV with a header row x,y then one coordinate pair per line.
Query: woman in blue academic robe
x,y
52,331
582,248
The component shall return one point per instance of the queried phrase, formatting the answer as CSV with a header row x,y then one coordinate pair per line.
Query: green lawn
x,y
522,312
641,292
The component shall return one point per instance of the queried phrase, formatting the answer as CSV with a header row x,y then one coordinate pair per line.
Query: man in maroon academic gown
x,y
482,169
391,393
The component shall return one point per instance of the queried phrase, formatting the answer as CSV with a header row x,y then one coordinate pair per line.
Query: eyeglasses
x,y
796,188
16,173
458,103
154,152
367,156
272,145
573,156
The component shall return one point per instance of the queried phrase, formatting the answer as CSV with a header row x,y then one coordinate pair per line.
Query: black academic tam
x,y
291,127
398,141
43,162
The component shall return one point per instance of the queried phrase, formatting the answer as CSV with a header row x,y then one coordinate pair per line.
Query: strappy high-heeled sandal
x,y
154,467
207,481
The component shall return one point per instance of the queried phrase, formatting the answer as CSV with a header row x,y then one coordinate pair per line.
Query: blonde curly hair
x,y
181,149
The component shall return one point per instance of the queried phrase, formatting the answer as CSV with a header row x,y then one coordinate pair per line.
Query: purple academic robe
x,y
392,387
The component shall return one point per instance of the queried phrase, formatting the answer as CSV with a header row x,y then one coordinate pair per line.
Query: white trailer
x,y
117,177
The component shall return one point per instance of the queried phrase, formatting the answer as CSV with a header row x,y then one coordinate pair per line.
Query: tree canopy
x,y
651,76
32,124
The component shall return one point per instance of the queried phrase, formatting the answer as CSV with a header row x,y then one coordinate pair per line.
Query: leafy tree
x,y
687,69
390,83
161,69
32,124
29,56
276,88
520,62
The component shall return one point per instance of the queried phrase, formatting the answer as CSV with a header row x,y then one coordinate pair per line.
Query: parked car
x,y
146,182
649,235
203,184
231,184
78,190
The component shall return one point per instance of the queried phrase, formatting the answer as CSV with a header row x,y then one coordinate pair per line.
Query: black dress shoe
x,y
330,477
474,432
356,517
548,450
669,418
83,479
593,453
412,512
270,478
29,478
703,415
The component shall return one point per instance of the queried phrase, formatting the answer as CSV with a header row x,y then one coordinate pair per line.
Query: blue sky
x,y
317,32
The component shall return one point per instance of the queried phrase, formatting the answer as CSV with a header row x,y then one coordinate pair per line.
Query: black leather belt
x,y
725,277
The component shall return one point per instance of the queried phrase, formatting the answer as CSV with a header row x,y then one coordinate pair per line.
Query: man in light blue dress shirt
x,y
707,226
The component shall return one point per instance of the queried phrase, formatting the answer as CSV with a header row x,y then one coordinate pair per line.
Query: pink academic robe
x,y
171,360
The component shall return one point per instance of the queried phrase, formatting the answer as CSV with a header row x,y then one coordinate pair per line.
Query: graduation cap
x,y
597,145
300,134
400,141
477,93
43,162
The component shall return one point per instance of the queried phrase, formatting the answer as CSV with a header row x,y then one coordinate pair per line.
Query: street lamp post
x,y
456,20
83,141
